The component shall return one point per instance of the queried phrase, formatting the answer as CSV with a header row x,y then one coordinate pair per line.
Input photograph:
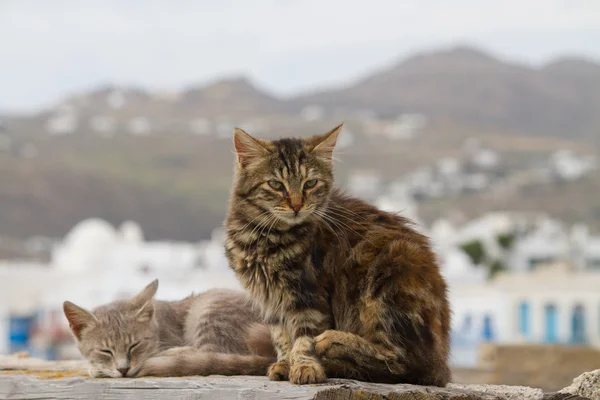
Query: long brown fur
x,y
348,290
218,332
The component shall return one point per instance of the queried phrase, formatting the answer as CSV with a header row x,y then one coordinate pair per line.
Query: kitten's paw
x,y
303,373
325,343
279,371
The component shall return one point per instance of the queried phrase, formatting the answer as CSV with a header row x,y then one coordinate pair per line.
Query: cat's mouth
x,y
293,218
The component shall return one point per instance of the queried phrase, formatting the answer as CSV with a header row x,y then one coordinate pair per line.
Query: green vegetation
x,y
496,267
506,240
475,250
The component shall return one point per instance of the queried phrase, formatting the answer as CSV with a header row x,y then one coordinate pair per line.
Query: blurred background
x,y
479,119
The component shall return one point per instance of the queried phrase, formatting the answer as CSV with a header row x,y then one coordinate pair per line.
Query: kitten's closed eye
x,y
133,346
107,352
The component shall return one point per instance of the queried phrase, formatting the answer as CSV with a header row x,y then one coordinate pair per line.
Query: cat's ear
x,y
146,295
142,302
146,312
247,148
78,318
323,145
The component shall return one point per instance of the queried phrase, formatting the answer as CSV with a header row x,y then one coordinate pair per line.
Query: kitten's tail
x,y
258,339
205,363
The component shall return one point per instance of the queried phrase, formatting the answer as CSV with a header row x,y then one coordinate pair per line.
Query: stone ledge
x,y
586,384
27,378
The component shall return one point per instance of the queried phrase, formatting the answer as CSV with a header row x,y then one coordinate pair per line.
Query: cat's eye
x,y
133,346
276,185
310,184
107,352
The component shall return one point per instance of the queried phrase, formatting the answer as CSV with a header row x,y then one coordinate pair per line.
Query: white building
x,y
95,244
405,127
550,241
96,263
201,126
567,166
63,121
105,125
140,126
555,303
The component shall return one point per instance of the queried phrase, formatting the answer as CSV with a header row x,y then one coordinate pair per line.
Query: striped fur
x,y
348,290
215,332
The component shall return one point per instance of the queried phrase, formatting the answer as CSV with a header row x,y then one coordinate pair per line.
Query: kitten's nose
x,y
123,371
296,207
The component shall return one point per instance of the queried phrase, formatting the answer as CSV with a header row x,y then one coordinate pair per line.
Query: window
x,y
524,318
550,323
488,329
535,261
593,263
467,323
578,325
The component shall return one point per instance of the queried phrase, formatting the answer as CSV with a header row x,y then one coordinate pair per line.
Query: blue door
x,y
578,325
551,323
19,329
488,329
524,319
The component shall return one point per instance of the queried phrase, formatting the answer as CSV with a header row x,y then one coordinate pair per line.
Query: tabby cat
x,y
215,332
347,290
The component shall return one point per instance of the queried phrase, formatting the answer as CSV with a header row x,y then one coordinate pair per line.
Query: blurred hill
x,y
561,99
165,159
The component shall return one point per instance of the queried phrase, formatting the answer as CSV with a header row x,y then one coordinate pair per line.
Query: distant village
x,y
480,169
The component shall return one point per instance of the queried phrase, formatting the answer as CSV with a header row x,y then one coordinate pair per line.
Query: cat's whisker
x,y
335,213
332,215
338,207
327,219
253,219
271,226
269,221
258,226
327,224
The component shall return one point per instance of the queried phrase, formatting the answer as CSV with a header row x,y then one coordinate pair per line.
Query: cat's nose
x,y
296,207
123,371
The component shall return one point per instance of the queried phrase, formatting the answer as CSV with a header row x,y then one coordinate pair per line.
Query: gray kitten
x,y
217,332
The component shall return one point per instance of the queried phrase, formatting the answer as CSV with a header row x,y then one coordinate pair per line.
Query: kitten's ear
x,y
146,312
247,148
78,318
146,294
323,145
142,302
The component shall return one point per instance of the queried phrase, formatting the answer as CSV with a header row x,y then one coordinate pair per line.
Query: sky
x,y
50,49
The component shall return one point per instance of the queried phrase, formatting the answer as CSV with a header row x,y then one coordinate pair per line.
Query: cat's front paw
x,y
327,344
279,371
303,373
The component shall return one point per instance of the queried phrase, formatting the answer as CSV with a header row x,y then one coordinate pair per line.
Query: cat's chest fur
x,y
274,267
